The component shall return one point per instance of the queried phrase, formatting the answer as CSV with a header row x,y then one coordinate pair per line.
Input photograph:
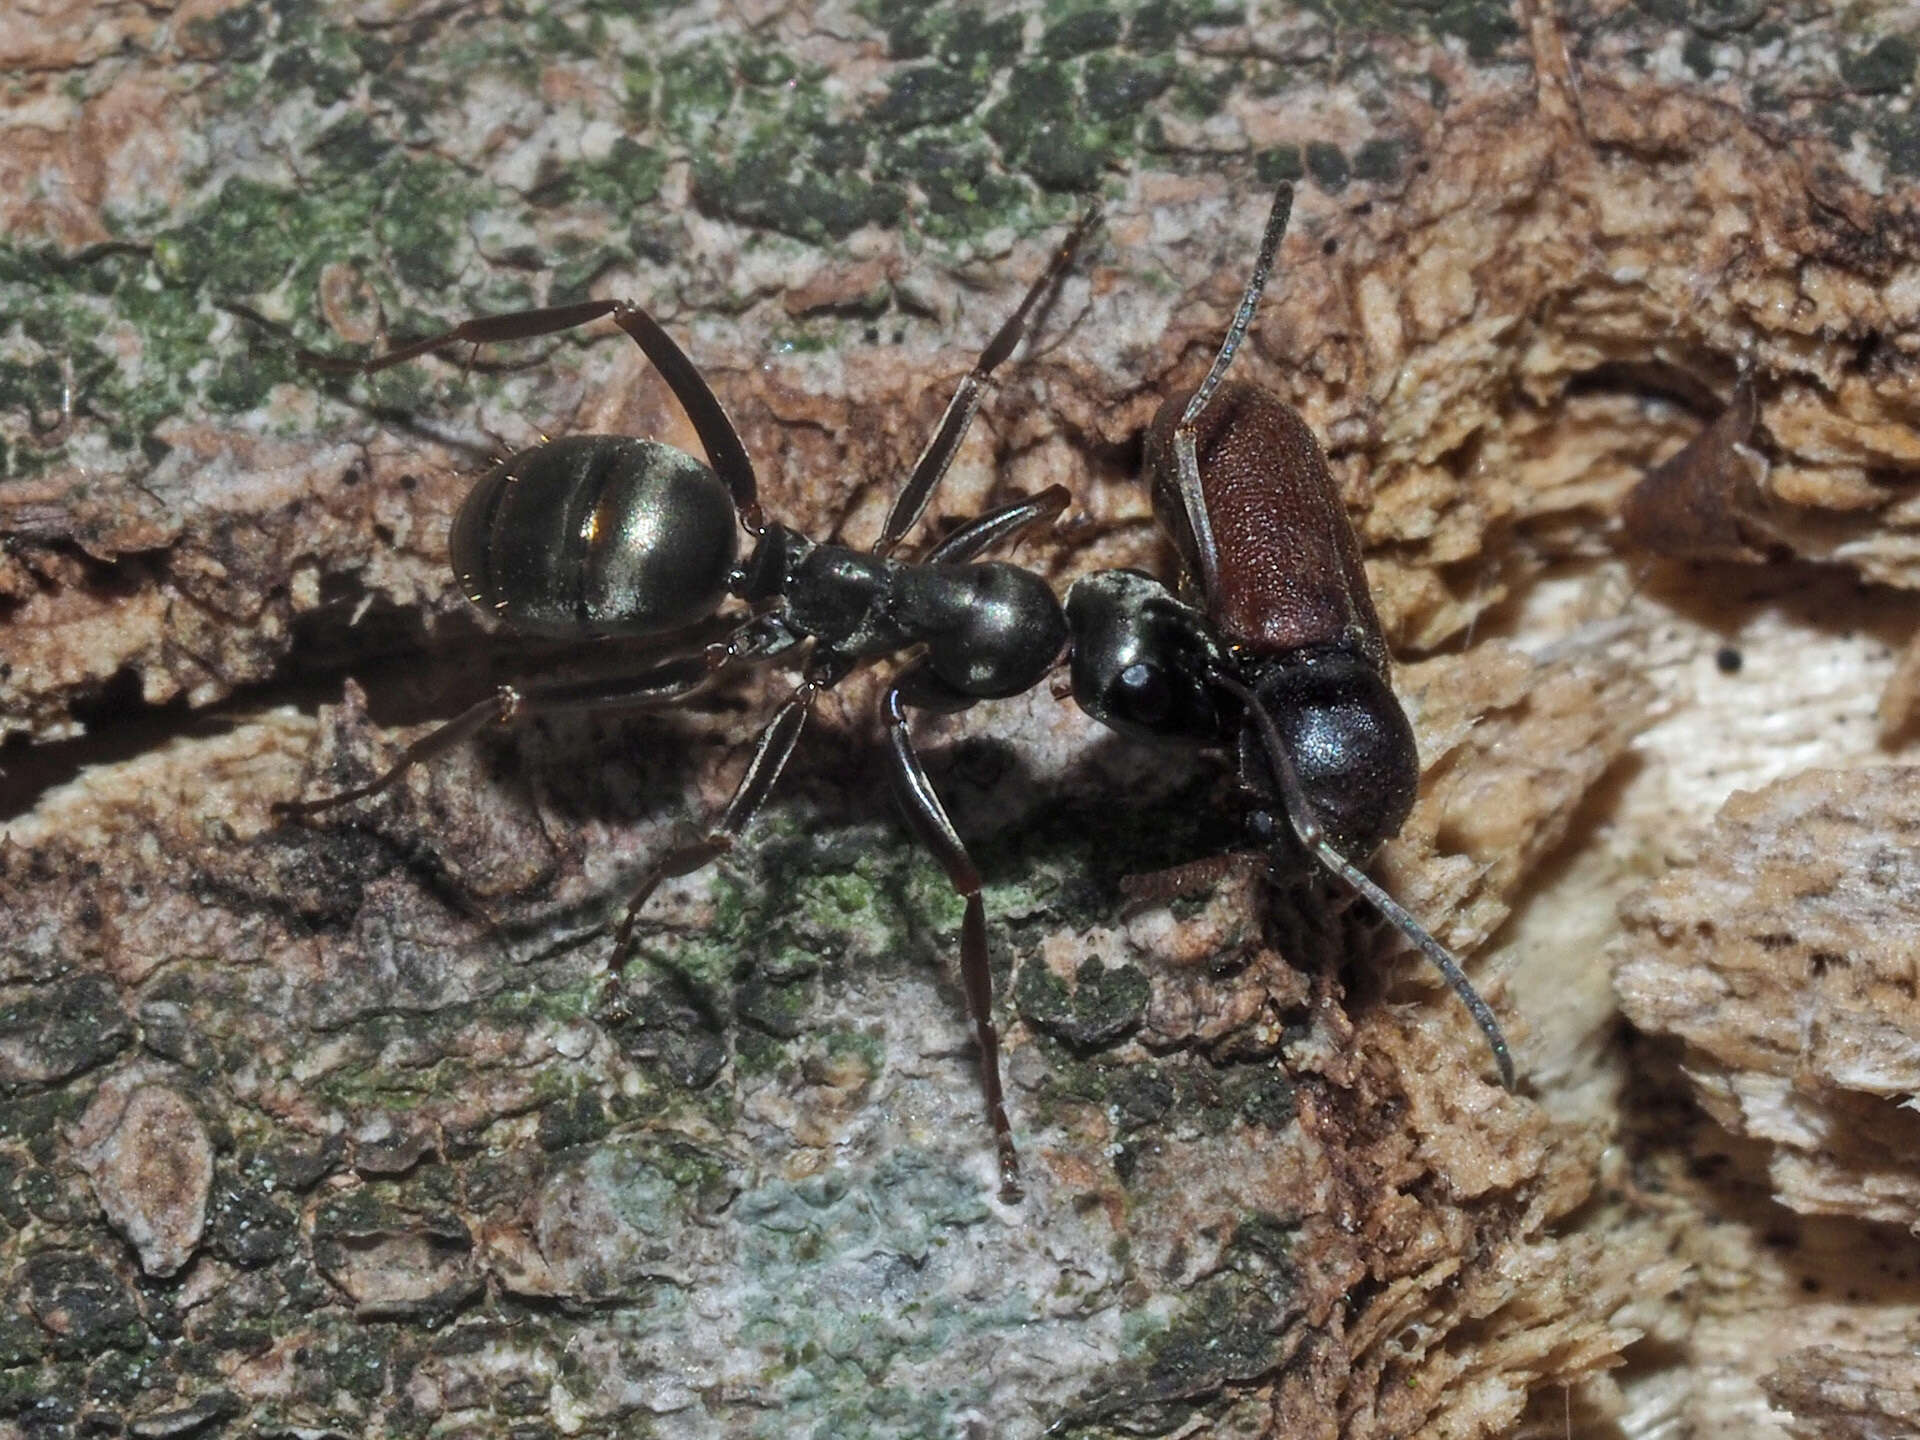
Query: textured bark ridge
x,y
1782,956
338,1126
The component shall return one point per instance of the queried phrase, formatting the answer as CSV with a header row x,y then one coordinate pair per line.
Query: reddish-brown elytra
x,y
1278,562
1273,646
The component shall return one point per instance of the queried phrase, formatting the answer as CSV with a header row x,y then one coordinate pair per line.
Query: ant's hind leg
x,y
480,330
665,683
725,451
929,820
718,435
498,708
776,744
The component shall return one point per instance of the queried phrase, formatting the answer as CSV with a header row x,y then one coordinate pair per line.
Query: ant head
x,y
1141,658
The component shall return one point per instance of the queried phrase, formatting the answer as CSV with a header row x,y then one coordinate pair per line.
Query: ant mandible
x,y
1275,652
608,535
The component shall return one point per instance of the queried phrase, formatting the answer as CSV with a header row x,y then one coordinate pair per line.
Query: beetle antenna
x,y
1306,826
1249,302
1402,920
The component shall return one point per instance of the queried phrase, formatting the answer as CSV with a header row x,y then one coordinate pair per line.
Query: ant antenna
x,y
1249,303
1306,826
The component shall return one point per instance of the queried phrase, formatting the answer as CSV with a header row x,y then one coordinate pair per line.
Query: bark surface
x,y
330,1127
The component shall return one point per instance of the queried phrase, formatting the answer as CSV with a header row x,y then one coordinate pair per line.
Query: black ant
x,y
593,535
1280,656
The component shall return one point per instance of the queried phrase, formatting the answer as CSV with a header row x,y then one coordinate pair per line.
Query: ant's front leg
x,y
965,404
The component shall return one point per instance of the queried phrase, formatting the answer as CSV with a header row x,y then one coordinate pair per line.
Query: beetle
x,y
1270,647
609,535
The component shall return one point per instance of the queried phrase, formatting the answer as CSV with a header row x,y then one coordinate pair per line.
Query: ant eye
x,y
1141,692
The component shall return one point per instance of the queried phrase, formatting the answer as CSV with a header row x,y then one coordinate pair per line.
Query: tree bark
x,y
342,1125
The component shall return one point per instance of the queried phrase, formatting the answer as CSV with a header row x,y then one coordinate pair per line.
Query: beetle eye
x,y
1142,694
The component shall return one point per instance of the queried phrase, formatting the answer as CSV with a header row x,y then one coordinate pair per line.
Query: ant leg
x,y
665,683
480,330
945,444
1192,499
717,433
1306,828
771,753
988,530
721,440
498,709
929,820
